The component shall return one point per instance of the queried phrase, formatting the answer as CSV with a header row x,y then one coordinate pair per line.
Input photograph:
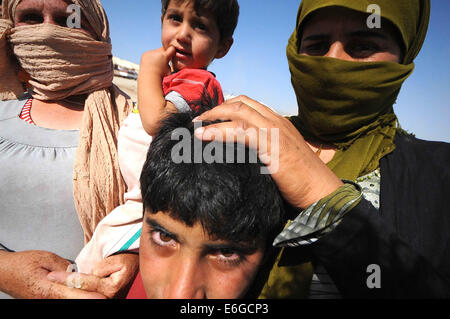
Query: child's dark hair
x,y
226,13
232,201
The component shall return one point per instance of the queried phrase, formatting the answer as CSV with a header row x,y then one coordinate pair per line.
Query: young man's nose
x,y
337,51
185,282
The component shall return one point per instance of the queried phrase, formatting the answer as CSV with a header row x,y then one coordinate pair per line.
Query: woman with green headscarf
x,y
371,217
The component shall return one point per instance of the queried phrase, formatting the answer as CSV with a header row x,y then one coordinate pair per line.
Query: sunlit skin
x,y
181,262
343,34
194,35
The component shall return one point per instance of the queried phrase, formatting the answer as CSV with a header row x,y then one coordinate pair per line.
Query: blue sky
x,y
256,64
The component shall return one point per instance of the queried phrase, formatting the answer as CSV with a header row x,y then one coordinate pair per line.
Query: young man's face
x,y
195,36
181,262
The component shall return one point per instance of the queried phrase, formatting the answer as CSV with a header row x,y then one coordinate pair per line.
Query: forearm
x,y
9,280
3,270
151,101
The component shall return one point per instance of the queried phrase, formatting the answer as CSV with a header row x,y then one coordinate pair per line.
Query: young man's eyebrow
x,y
155,225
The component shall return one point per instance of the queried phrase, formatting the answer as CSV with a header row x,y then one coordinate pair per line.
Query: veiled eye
x,y
362,49
61,21
316,48
32,18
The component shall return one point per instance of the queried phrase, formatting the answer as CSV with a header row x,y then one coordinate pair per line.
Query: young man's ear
x,y
225,46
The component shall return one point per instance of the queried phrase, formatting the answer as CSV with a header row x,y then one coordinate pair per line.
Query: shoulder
x,y
421,152
193,85
196,73
418,167
193,75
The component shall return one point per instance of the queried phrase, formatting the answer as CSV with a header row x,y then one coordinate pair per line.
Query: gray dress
x,y
37,210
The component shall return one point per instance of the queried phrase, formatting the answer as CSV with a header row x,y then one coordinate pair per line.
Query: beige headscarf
x,y
63,62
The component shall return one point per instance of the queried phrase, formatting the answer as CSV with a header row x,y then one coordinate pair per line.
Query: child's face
x,y
195,36
181,262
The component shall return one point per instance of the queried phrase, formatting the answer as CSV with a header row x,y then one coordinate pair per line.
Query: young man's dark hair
x,y
232,201
226,13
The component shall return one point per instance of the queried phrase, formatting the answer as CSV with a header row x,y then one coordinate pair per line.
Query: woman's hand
x,y
24,275
299,173
111,278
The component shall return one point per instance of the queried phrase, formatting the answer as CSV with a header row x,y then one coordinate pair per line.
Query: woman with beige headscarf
x,y
58,143
371,215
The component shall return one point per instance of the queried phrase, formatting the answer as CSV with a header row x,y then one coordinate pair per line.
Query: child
x,y
194,33
208,228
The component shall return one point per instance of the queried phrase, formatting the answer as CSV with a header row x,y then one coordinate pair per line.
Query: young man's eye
x,y
228,257
162,239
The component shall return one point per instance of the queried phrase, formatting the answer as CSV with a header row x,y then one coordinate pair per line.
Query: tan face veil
x,y
60,61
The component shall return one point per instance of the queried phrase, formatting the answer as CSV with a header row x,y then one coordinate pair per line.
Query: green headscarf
x,y
350,104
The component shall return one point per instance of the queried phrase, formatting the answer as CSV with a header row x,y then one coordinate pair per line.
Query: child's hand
x,y
157,61
154,67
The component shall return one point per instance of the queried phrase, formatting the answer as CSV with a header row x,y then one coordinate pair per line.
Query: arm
x,y
151,102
